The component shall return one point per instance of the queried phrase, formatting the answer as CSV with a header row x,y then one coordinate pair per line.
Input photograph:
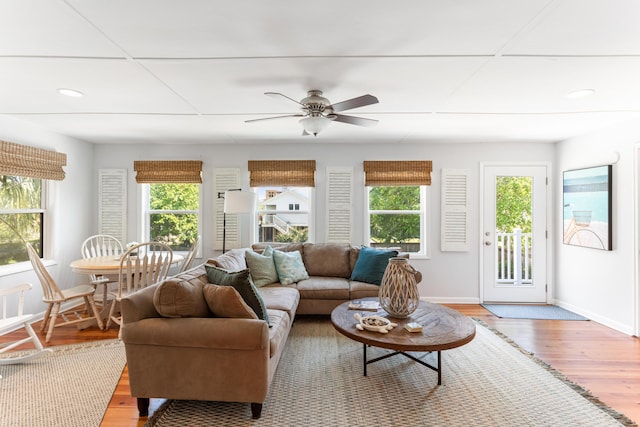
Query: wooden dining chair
x,y
149,265
101,245
54,297
10,323
191,255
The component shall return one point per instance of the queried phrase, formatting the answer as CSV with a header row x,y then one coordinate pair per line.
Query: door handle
x,y
487,243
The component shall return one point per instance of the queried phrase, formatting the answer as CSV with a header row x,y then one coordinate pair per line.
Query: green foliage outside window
x,y
19,195
394,229
178,228
295,234
513,203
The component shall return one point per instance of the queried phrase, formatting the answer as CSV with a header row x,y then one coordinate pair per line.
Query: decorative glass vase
x,y
398,290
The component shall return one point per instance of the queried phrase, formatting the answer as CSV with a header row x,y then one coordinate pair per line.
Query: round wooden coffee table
x,y
442,329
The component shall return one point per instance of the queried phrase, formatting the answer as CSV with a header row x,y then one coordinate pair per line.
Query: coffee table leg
x,y
437,368
364,358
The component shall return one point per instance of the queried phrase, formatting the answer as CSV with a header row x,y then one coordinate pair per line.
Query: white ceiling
x,y
192,71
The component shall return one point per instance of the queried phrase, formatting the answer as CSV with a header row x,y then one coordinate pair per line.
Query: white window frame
x,y
46,187
425,244
145,221
310,213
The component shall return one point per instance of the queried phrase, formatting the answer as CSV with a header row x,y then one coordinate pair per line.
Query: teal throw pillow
x,y
371,264
241,282
261,266
289,266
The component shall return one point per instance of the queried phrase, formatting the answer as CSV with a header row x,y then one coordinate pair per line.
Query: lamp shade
x,y
239,202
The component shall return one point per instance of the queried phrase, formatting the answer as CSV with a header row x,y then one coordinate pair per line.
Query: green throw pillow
x,y
289,266
241,281
261,266
371,264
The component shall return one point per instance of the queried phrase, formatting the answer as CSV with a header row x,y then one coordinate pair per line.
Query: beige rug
x,y
319,382
71,386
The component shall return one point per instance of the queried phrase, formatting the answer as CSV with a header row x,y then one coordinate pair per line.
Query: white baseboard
x,y
625,329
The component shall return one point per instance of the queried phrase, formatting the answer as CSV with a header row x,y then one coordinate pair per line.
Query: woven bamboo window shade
x,y
22,160
397,172
168,171
284,173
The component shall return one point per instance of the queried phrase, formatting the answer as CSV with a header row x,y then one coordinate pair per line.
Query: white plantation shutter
x,y
454,230
339,190
225,179
112,203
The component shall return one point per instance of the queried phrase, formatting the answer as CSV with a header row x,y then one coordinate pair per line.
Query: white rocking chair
x,y
9,324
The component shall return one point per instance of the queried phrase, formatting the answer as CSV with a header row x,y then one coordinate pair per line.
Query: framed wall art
x,y
586,199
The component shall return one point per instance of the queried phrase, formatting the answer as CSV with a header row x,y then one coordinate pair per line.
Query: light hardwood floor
x,y
602,360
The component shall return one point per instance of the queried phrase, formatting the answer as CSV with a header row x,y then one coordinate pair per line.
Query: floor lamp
x,y
235,202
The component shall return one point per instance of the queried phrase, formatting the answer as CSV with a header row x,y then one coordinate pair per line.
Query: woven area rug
x,y
71,386
532,311
319,383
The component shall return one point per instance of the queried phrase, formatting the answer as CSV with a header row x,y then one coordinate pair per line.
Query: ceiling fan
x,y
318,111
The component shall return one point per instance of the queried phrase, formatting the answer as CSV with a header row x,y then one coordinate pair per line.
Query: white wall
x,y
601,284
70,208
448,276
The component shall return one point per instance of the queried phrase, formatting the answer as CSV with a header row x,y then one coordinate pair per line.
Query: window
x,y
396,203
172,214
283,214
396,217
21,217
285,190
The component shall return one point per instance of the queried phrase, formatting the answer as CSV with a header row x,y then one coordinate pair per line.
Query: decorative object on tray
x,y
399,291
374,323
366,305
413,327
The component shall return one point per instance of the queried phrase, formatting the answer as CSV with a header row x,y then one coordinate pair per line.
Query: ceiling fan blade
x,y
273,118
352,120
278,94
360,101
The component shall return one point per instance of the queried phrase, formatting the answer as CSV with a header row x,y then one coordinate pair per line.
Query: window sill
x,y
419,256
21,267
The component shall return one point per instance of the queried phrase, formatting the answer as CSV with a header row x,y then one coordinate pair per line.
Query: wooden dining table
x,y
109,266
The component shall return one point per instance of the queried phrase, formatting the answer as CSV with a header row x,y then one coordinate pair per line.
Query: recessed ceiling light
x,y
70,92
580,93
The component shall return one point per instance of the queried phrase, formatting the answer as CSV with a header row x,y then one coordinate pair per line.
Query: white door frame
x,y
636,245
549,219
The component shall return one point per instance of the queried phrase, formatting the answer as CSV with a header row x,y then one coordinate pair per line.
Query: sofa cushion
x,y
241,282
362,290
233,260
289,266
279,332
316,287
225,301
278,297
371,264
261,267
181,296
327,259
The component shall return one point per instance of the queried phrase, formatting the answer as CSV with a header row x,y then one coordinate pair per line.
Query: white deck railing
x,y
272,220
513,258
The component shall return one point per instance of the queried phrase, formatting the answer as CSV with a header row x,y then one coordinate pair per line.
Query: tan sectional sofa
x,y
178,349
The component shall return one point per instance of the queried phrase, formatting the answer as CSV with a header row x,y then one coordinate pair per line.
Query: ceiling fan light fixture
x,y
314,124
